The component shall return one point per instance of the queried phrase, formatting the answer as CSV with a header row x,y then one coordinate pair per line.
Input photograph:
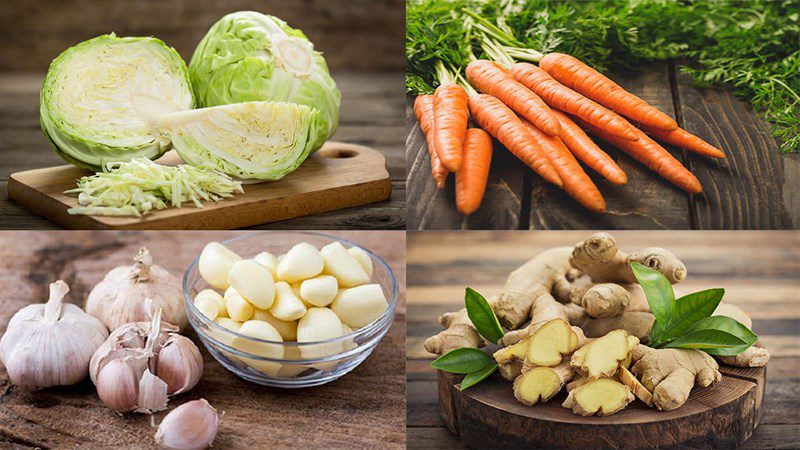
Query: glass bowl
x,y
324,361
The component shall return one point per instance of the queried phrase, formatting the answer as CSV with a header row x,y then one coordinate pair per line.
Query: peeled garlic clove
x,y
360,305
319,291
50,344
132,293
152,394
319,324
207,307
179,364
300,262
287,329
264,331
215,264
193,425
287,306
269,261
342,265
118,386
210,294
238,308
254,282
363,259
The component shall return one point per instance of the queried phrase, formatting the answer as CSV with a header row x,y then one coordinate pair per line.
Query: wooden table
x,y
756,187
362,409
371,115
759,271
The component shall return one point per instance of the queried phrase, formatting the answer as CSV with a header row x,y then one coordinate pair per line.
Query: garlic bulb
x,y
193,425
142,363
50,344
120,298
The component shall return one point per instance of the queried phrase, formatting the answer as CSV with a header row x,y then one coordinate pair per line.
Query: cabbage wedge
x,y
91,99
248,56
257,140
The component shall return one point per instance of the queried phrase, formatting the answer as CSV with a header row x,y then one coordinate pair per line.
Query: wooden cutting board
x,y
337,176
486,415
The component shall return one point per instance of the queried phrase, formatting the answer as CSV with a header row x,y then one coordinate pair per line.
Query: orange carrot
x,y
492,79
652,155
683,139
561,97
471,179
576,183
499,121
423,108
591,83
450,124
584,148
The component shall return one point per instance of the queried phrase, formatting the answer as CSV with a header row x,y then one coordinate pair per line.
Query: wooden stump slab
x,y
720,416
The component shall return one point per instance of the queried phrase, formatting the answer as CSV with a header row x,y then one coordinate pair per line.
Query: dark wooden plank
x,y
431,208
774,436
424,438
755,186
647,201
363,409
353,34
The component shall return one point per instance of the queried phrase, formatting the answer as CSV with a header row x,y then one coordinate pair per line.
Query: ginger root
x,y
545,347
544,309
459,332
671,373
635,323
628,379
602,396
603,300
604,356
599,257
541,383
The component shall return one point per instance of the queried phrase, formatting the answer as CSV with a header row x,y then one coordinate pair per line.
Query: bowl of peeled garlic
x,y
289,309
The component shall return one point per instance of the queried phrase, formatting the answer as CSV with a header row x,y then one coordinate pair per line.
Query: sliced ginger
x,y
628,379
602,396
545,347
541,383
603,356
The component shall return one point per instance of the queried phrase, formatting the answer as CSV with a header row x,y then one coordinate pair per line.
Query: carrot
x,y
471,178
423,108
584,148
492,79
499,121
576,183
652,155
450,124
561,97
591,83
683,139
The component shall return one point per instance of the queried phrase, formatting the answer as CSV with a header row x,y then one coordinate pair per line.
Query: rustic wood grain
x,y
371,115
362,409
757,269
353,34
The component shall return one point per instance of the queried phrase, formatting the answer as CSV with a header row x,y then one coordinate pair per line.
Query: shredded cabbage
x,y
135,188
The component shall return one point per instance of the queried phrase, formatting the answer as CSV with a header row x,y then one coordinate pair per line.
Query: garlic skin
x,y
50,344
193,425
119,298
142,363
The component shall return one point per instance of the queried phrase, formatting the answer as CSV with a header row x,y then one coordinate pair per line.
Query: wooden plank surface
x,y
363,409
371,115
759,271
755,188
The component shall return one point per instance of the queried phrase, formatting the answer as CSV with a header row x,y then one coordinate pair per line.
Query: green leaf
x,y
727,325
689,310
476,377
462,360
482,316
660,297
706,339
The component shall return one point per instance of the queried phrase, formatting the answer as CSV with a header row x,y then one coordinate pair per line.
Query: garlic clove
x,y
343,265
179,364
363,258
215,264
254,282
319,324
192,425
269,261
118,386
152,394
210,294
239,309
287,305
319,291
287,329
300,262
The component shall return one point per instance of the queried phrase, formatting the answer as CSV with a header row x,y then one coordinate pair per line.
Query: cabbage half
x,y
248,56
262,140
99,97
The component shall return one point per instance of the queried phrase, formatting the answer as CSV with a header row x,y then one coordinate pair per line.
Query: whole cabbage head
x,y
98,96
248,56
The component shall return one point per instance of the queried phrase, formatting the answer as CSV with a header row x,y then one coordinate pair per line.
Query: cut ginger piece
x,y
545,347
541,383
603,356
638,389
602,397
